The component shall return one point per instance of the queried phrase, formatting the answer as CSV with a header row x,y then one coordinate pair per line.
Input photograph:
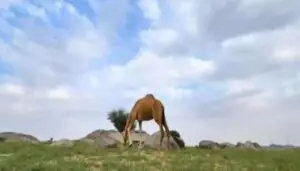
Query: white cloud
x,y
156,72
59,93
229,72
159,39
238,86
151,10
12,89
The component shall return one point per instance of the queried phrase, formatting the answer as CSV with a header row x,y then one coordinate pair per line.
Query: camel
x,y
146,109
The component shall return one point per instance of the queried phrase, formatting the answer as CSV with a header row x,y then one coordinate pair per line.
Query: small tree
x,y
118,118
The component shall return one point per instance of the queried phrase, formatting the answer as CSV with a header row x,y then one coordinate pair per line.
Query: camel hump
x,y
150,95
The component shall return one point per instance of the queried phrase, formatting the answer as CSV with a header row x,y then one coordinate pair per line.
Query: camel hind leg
x,y
161,121
165,125
141,138
168,133
161,134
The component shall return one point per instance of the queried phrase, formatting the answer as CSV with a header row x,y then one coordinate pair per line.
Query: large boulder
x,y
226,145
103,138
286,146
208,144
136,136
109,139
153,141
14,136
112,138
248,145
93,135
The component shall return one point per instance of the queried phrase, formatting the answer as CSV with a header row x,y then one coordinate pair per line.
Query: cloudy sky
x,y
226,70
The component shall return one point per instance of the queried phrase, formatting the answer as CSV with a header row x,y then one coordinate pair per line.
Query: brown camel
x,y
145,109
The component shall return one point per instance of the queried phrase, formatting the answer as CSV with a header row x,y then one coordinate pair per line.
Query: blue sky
x,y
225,71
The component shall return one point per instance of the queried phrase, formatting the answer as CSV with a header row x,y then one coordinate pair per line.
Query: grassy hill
x,y
37,157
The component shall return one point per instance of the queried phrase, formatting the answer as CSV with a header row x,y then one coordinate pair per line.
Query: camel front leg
x,y
129,133
129,137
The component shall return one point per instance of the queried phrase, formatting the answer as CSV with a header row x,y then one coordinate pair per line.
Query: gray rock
x,y
226,145
239,144
112,138
248,145
153,141
107,140
14,136
93,135
256,145
208,144
137,136
104,138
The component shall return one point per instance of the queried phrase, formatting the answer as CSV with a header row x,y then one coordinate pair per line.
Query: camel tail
x,y
164,121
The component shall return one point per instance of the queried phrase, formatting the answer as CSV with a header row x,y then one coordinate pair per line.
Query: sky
x,y
226,70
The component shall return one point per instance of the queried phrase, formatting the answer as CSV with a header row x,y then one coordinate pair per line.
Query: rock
x,y
248,145
93,135
256,145
239,144
136,136
63,142
103,138
208,144
106,140
281,146
153,141
112,138
14,136
226,145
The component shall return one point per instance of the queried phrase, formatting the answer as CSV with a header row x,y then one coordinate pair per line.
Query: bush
x,y
118,118
176,136
174,133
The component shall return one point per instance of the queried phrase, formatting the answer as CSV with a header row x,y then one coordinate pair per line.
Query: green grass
x,y
81,157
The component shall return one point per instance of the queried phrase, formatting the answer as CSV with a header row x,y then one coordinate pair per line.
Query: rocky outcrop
x,y
14,136
226,145
248,145
153,141
208,144
112,138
